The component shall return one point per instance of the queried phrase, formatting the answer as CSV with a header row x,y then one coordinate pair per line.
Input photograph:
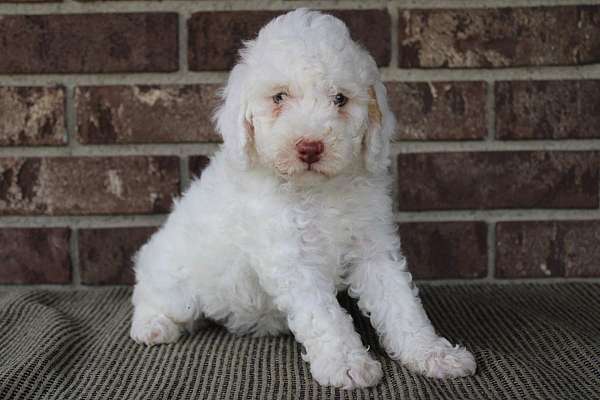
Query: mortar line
x,y
499,215
81,222
489,216
113,79
448,146
71,126
542,72
184,173
395,187
158,149
389,74
71,117
182,37
393,14
397,147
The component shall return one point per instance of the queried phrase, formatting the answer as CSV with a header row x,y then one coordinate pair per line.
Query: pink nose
x,y
310,151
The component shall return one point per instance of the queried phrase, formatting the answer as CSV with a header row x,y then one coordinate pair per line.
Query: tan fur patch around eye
x,y
276,111
374,111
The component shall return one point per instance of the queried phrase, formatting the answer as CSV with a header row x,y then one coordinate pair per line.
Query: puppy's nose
x,y
310,151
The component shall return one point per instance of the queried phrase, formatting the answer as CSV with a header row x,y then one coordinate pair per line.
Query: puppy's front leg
x,y
333,348
386,294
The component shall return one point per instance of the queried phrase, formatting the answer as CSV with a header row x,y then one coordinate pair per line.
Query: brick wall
x,y
105,116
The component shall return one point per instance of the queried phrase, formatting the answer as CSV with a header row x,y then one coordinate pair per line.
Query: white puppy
x,y
294,207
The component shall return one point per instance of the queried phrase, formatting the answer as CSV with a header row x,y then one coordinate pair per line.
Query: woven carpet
x,y
530,341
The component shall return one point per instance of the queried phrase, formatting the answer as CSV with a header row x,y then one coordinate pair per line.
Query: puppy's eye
x,y
279,97
340,100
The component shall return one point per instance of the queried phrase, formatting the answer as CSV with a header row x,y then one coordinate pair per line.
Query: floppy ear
x,y
380,128
234,121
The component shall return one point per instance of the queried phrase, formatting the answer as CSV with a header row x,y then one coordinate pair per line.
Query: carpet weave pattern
x,y
531,341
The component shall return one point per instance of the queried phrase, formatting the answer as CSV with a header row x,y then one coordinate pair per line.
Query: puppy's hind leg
x,y
162,316
163,310
150,326
164,298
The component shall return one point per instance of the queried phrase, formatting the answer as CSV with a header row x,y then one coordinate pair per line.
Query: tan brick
x,y
87,185
32,116
499,37
146,114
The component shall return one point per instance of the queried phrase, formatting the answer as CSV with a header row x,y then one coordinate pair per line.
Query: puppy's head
x,y
306,101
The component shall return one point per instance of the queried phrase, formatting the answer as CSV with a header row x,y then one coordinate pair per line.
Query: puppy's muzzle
x,y
309,151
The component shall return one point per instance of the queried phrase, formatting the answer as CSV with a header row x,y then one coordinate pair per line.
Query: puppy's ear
x,y
234,121
379,131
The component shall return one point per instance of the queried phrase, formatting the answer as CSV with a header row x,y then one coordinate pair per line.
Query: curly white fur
x,y
263,242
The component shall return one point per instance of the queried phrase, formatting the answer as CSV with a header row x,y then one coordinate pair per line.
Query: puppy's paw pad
x,y
356,372
155,330
450,362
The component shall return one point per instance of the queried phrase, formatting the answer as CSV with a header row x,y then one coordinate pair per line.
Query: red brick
x,y
445,249
371,28
106,255
87,185
197,164
548,109
445,181
499,37
439,110
89,43
145,114
533,249
215,37
34,255
31,116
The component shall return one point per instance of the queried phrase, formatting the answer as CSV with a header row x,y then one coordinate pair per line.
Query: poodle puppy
x,y
294,207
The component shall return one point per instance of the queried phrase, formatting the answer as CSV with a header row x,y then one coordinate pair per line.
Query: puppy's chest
x,y
325,226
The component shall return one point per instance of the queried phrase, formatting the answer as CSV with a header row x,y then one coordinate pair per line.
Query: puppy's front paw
x,y
442,360
353,371
154,330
